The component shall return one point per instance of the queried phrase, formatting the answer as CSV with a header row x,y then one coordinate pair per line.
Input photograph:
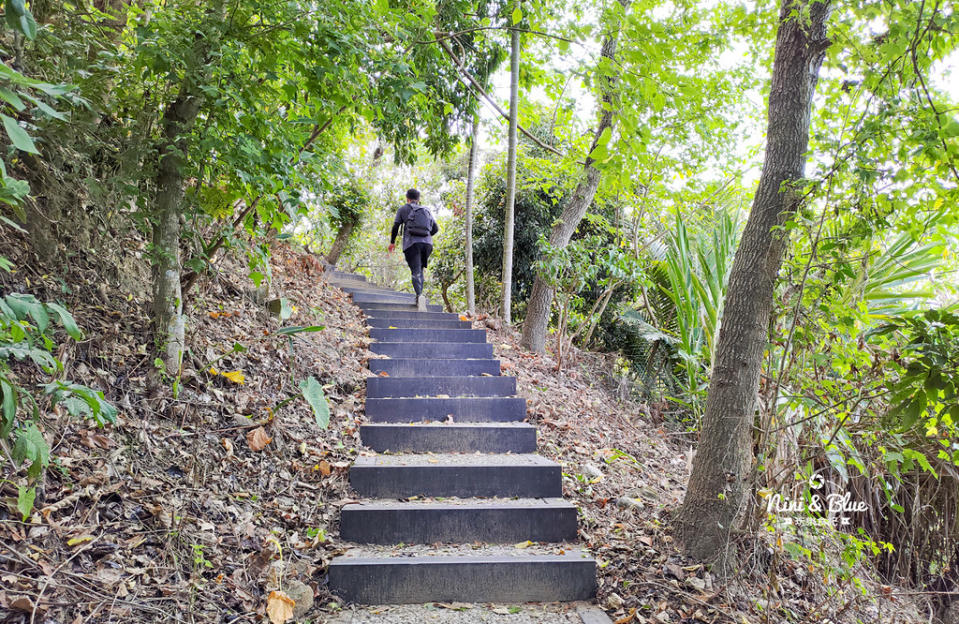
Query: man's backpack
x,y
419,221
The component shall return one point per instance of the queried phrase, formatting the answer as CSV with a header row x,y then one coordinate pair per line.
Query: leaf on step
x,y
384,374
525,544
279,607
257,439
463,317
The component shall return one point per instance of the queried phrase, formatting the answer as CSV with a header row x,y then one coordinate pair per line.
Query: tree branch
x,y
474,86
189,280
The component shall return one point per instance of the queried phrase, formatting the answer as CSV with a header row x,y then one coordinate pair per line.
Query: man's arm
x,y
397,221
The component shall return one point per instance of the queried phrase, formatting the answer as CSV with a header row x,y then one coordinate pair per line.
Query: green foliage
x,y
313,393
25,336
927,390
683,301
536,209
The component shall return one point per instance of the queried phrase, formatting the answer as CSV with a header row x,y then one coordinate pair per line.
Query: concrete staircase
x,y
456,485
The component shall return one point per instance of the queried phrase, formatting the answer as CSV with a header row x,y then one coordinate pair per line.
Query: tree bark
x,y
511,174
339,243
541,298
167,294
718,489
178,119
470,181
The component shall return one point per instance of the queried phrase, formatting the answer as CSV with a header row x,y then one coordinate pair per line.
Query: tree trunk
x,y
541,298
178,118
167,295
339,243
511,173
719,486
470,180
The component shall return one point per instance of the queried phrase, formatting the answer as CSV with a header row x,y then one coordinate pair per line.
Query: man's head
x,y
412,195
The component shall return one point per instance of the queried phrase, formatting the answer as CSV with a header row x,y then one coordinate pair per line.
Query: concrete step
x,y
428,335
508,437
410,316
384,298
434,350
412,367
396,387
380,575
496,521
402,476
398,307
472,409
395,323
345,275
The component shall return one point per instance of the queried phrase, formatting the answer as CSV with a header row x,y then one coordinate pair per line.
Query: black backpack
x,y
419,221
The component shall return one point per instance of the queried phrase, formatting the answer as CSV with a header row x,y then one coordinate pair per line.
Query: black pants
x,y
417,256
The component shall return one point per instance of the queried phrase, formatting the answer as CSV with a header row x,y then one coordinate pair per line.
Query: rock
x,y
302,595
627,502
614,601
591,470
696,583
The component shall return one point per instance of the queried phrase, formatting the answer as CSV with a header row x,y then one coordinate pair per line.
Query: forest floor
x,y
195,508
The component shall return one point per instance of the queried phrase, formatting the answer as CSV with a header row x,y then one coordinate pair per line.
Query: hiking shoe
x,y
421,303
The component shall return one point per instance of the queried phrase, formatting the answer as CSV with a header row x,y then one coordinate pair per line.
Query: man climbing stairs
x,y
458,507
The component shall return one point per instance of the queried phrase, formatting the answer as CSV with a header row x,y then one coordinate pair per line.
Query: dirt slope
x,y
183,512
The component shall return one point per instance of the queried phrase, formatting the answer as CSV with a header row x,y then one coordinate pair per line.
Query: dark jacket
x,y
409,239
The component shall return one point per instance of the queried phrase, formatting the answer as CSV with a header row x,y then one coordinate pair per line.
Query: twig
x,y
49,577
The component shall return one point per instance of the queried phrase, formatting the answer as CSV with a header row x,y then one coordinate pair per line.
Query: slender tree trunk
x,y
718,490
541,298
178,119
339,243
470,180
167,294
511,174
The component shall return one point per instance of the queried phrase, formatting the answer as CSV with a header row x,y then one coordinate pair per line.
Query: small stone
x,y
591,470
614,601
696,583
302,596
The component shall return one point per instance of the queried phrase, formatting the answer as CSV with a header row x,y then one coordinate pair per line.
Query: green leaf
x,y
12,99
27,305
25,498
297,329
31,446
313,393
18,136
517,16
28,26
66,319
9,407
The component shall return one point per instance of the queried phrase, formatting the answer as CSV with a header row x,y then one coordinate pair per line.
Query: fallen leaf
x,y
22,603
384,374
236,377
525,544
463,317
279,607
257,439
74,541
325,468
628,618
